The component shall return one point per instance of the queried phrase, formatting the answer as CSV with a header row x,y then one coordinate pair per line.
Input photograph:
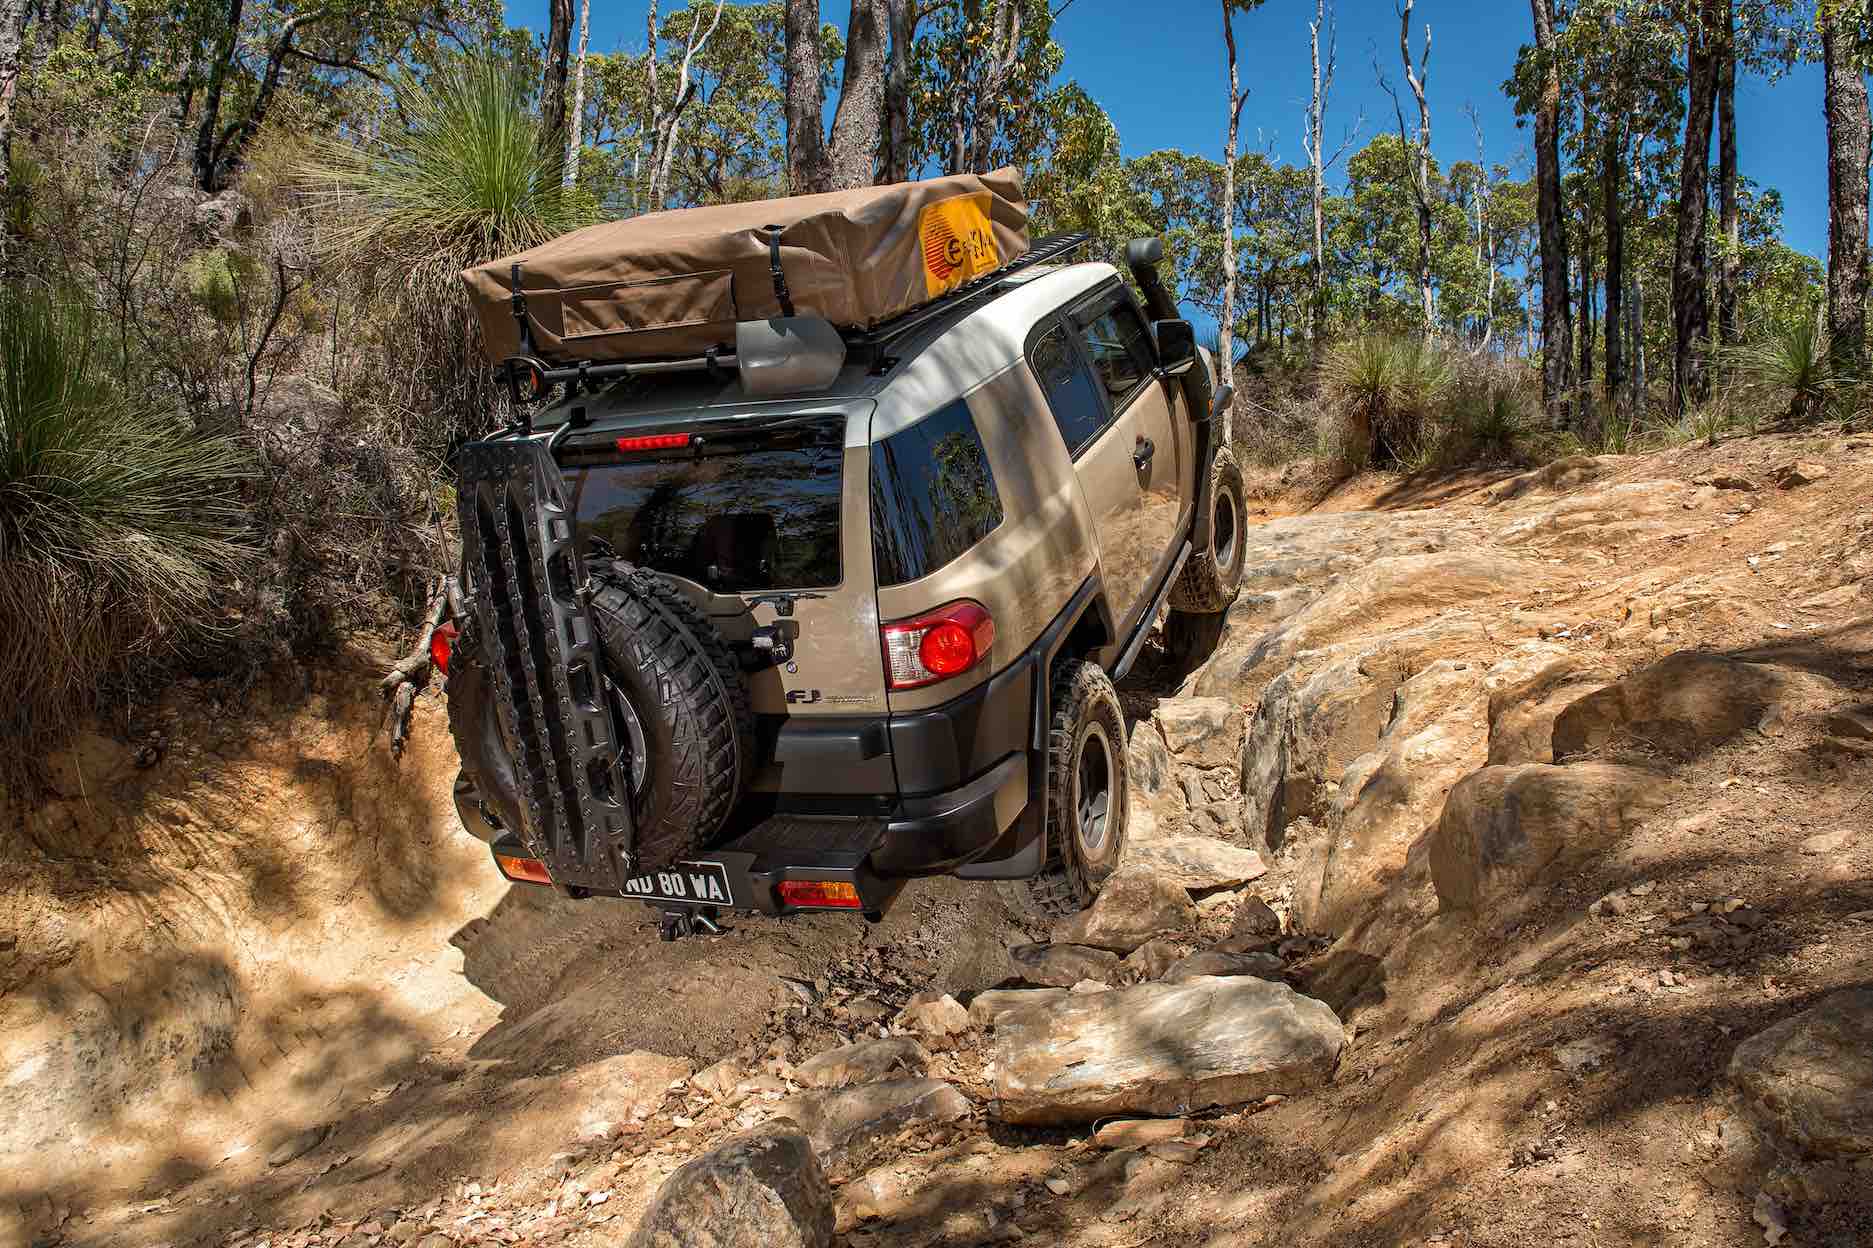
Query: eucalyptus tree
x,y
1226,317
1557,321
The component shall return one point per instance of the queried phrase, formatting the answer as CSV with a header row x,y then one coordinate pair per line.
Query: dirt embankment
x,y
1564,784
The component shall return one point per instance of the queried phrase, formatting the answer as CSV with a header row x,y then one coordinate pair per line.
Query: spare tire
x,y
681,709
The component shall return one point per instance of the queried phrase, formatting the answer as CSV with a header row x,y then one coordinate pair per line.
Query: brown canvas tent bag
x,y
674,283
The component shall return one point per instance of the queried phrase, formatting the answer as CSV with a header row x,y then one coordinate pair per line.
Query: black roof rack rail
x,y
1048,250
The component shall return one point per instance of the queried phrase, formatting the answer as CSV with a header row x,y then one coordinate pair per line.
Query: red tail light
x,y
654,442
831,894
442,645
947,642
529,870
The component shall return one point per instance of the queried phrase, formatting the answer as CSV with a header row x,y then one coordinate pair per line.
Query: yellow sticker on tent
x,y
958,243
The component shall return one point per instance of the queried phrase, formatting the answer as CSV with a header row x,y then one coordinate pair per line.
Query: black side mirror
x,y
1177,345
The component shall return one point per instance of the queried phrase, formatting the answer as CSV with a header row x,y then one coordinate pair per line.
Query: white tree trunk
x,y
672,117
575,126
1316,116
1226,341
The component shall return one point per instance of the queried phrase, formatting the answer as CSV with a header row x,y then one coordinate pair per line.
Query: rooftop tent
x,y
676,283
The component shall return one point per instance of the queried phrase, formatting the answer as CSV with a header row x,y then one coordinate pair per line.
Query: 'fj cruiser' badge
x,y
958,243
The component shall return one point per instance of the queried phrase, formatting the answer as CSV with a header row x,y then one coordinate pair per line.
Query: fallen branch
x,y
410,674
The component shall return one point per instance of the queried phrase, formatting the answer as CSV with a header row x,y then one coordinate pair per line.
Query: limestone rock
x,y
868,1061
1136,904
846,1124
1222,964
936,1018
987,1009
719,1079
1808,1080
1505,826
1680,707
1527,690
765,1187
1150,960
1853,725
1062,966
1798,473
1198,863
1140,1132
1254,919
1162,1049
220,216
1390,796
1201,732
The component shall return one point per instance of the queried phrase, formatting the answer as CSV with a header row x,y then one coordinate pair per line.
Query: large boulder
x,y
987,1009
1136,904
1389,797
1527,690
765,1187
1808,1080
846,1125
1680,707
1198,863
1162,1049
1201,732
1505,826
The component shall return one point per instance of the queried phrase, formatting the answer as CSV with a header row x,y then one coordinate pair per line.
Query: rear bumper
x,y
876,856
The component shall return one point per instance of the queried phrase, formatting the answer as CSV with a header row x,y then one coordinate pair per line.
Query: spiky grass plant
x,y
1790,361
1383,391
461,174
117,527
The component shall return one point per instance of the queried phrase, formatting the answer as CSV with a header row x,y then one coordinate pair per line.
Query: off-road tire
x,y
1085,711
686,690
1211,577
474,725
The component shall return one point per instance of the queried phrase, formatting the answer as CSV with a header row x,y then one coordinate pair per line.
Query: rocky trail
x,y
1504,876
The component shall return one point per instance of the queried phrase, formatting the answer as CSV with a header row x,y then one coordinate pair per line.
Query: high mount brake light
x,y
654,442
935,647
442,645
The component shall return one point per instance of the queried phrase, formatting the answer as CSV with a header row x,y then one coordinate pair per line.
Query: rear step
x,y
785,864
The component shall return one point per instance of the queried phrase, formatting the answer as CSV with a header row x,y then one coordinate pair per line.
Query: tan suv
x,y
785,652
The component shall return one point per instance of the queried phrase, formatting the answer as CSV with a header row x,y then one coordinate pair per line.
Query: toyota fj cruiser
x,y
780,629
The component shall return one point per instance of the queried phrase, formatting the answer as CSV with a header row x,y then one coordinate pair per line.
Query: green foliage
x,y
466,176
1789,363
1381,392
117,526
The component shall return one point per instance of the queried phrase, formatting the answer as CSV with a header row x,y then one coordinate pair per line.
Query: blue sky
x,y
1159,71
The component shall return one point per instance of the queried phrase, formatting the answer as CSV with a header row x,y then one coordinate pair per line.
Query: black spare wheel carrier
x,y
519,544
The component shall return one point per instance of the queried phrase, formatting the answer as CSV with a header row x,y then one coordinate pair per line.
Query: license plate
x,y
688,883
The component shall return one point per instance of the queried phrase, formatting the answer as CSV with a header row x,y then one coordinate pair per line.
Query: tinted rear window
x,y
752,511
932,495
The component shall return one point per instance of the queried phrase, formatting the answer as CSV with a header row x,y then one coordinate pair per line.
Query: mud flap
x,y
519,545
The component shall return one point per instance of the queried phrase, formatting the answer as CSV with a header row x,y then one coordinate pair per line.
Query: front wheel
x,y
1088,802
1211,577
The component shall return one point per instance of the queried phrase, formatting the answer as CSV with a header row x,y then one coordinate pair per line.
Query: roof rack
x,y
862,346
1049,250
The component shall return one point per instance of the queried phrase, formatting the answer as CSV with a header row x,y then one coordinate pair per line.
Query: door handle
x,y
1142,455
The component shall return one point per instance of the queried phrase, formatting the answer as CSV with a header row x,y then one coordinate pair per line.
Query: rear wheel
x,y
1088,801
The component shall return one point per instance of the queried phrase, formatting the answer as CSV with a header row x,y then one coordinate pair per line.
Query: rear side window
x,y
1072,393
932,495
754,510
1115,339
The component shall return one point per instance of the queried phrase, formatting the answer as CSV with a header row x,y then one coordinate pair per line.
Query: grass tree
x,y
463,173
118,526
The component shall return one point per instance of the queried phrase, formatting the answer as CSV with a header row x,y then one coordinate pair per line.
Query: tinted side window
x,y
1117,341
932,495
1071,391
